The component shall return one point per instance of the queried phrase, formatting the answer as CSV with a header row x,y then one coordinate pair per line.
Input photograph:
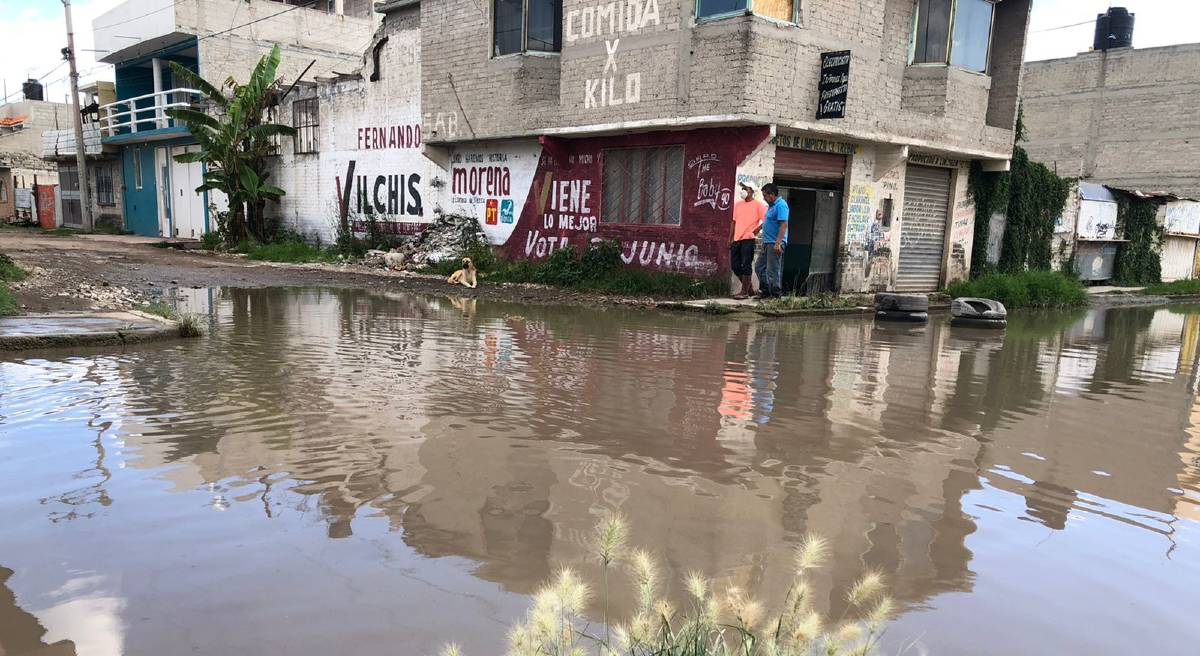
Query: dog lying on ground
x,y
464,276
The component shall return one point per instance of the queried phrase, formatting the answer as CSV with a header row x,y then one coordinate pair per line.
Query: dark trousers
x,y
741,257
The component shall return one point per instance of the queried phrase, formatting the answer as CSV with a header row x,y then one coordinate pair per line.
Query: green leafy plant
x,y
235,144
8,303
717,309
10,271
1027,289
823,301
1139,260
712,621
287,247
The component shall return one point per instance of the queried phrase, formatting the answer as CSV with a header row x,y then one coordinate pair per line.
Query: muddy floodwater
x,y
341,472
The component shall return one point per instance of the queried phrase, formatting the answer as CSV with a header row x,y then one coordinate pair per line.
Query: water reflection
x,y
394,429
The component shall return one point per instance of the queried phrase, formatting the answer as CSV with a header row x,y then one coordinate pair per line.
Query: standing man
x,y
748,216
769,264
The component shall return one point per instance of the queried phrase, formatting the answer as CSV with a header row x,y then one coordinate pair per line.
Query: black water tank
x,y
1114,29
32,90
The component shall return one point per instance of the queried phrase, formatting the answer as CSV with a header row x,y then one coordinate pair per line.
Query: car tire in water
x,y
888,302
904,317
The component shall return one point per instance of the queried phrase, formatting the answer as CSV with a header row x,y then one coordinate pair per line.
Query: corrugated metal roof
x,y
1093,191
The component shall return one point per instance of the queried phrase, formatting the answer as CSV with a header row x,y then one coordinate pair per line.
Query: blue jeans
x,y
768,266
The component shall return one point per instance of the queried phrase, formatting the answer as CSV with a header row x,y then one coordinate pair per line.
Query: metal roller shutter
x,y
923,228
806,164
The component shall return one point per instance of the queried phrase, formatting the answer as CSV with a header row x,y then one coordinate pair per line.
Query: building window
x,y
104,185
137,168
954,32
784,10
643,186
3,190
527,26
306,118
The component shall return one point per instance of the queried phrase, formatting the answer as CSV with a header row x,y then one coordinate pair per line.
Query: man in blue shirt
x,y
768,265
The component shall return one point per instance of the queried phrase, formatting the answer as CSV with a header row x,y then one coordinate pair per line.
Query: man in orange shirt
x,y
748,216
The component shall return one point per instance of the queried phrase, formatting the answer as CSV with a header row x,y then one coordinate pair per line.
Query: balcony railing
x,y
144,113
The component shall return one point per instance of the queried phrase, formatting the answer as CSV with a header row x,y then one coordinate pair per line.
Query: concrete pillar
x,y
160,120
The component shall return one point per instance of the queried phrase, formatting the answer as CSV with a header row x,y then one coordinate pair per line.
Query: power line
x,y
43,76
1063,27
256,20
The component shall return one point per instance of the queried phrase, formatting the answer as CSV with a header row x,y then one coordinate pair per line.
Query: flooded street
x,y
338,471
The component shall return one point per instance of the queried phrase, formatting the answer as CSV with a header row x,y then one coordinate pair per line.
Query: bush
x,y
1190,287
211,240
815,302
598,268
1027,289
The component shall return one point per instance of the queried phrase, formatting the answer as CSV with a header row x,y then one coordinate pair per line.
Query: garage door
x,y
807,165
923,228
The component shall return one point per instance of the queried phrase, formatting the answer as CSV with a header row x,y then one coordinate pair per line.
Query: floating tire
x,y
902,317
977,322
978,308
888,302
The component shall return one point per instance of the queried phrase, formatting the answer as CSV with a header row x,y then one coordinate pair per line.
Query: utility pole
x,y
85,205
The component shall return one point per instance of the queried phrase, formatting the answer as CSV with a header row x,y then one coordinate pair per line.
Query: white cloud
x,y
34,38
1158,23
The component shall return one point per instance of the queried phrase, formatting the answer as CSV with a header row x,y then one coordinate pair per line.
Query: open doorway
x,y
811,256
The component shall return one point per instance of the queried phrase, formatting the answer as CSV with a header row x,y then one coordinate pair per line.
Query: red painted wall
x,y
572,170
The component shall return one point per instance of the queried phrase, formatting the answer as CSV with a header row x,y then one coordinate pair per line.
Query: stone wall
x,y
1125,118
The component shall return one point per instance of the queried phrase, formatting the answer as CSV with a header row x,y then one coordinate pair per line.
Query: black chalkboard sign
x,y
834,85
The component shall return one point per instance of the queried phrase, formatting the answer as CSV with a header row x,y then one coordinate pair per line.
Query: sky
x,y
34,31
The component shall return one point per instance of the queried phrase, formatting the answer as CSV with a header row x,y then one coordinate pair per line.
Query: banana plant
x,y
235,143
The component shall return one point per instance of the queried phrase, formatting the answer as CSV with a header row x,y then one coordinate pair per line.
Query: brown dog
x,y
464,276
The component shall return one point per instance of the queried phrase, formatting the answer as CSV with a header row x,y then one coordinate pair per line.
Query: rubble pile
x,y
101,294
448,236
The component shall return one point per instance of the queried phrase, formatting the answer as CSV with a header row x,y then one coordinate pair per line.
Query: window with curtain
x,y
642,186
954,32
526,26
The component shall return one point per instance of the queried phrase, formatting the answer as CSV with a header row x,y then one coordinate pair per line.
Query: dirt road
x,y
84,272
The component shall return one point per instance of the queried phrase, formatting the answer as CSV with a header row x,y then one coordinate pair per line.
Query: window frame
x,y
3,190
748,11
912,43
604,180
307,133
525,50
106,197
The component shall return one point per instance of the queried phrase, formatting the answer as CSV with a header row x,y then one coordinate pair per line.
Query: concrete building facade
x,y
647,114
217,39
1125,117
21,163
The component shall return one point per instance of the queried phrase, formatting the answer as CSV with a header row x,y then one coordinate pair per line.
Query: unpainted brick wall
x,y
1126,118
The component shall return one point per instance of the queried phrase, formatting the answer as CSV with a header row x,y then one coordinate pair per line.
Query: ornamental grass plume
x,y
731,621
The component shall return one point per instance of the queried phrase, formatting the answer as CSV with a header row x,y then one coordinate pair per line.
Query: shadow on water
x,y
367,469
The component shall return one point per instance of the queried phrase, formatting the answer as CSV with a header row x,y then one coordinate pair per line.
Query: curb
x,y
166,329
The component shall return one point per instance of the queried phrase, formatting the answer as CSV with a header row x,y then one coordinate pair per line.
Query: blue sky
x,y
34,32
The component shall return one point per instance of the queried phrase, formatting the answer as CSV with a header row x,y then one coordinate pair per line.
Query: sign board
x,y
834,86
814,144
1182,217
1097,221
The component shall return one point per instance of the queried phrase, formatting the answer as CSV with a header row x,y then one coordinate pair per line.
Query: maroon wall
x,y
573,168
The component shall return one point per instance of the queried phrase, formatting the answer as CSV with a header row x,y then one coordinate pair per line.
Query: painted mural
x,y
565,201
491,183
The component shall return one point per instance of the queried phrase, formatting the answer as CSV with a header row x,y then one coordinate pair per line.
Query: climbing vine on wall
x,y
1138,261
990,193
1032,196
1036,198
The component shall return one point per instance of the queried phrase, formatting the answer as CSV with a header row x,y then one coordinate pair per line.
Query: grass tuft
x,y
726,622
8,303
10,271
814,302
190,324
159,309
290,249
59,232
1190,287
1028,289
717,309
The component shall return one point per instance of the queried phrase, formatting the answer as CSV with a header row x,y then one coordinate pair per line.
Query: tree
x,y
235,144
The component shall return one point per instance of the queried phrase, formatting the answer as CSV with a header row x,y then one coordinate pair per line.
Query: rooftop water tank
x,y
1114,29
32,90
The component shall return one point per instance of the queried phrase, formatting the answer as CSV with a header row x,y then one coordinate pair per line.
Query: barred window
x,y
104,185
306,118
643,186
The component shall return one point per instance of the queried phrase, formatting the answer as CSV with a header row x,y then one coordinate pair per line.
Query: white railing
x,y
126,116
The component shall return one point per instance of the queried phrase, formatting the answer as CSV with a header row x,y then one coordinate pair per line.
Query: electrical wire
x,y
96,28
1063,27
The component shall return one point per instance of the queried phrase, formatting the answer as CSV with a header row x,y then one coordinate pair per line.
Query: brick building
x,y
21,126
1124,117
559,123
